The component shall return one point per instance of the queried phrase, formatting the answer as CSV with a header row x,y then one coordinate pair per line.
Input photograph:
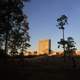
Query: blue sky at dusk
x,y
42,15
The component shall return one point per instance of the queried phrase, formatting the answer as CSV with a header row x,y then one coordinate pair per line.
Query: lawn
x,y
40,68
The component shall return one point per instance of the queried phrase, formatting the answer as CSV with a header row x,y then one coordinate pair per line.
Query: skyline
x,y
42,16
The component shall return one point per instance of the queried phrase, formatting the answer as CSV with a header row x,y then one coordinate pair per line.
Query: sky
x,y
42,16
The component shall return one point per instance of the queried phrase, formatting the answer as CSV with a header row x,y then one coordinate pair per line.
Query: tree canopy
x,y
13,24
62,20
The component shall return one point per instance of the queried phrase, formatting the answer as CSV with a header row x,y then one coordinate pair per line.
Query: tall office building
x,y
44,46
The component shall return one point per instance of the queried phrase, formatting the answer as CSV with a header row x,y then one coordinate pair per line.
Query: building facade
x,y
44,46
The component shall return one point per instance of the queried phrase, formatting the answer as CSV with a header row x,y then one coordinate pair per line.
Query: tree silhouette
x,y
19,37
62,21
71,50
70,46
10,14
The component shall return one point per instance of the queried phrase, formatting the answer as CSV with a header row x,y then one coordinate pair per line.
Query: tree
x,y
70,50
19,38
62,21
10,12
70,46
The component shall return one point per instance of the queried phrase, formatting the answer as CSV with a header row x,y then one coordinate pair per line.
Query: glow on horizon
x,y
42,16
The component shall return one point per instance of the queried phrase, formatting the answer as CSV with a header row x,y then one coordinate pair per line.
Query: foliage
x,y
19,37
62,21
62,42
71,48
69,44
11,17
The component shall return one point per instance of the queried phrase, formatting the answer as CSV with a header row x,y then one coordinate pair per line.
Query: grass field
x,y
40,68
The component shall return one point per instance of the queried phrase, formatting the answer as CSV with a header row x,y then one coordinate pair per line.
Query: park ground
x,y
40,68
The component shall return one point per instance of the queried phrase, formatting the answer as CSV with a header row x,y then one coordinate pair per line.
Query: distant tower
x,y
44,46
